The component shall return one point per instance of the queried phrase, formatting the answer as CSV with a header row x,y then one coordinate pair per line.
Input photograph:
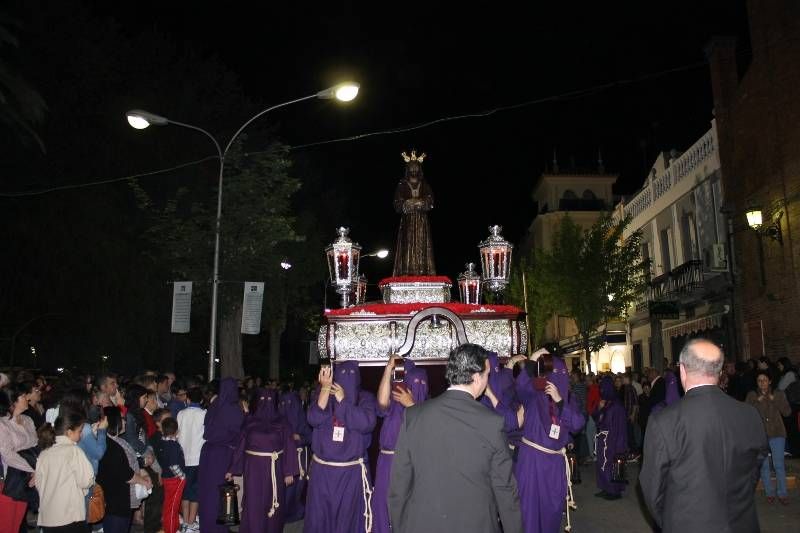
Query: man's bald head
x,y
702,359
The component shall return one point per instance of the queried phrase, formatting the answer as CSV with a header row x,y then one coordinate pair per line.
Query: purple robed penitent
x,y
501,381
336,501
265,431
612,436
291,408
223,425
541,478
416,381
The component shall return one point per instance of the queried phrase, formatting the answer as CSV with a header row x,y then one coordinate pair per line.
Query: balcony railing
x,y
674,174
683,280
686,278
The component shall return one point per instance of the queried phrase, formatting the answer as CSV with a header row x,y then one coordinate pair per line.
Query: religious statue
x,y
413,198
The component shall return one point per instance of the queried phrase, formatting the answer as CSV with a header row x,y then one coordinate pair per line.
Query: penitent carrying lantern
x,y
228,505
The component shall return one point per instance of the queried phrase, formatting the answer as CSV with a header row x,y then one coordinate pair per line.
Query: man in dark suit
x,y
452,468
702,454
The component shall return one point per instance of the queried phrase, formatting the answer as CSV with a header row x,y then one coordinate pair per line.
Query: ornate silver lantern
x,y
496,260
360,290
469,285
343,257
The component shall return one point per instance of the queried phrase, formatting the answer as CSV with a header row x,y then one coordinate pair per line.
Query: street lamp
x,y
755,219
380,254
140,119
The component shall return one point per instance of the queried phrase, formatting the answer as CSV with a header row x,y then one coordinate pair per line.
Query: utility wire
x,y
102,182
569,95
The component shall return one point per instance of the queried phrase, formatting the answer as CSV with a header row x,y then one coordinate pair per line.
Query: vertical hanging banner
x,y
251,307
181,306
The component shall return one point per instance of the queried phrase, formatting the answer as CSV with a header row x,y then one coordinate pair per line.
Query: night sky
x,y
421,62
633,76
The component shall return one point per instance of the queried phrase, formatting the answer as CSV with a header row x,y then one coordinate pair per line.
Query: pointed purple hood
x,y
347,375
416,380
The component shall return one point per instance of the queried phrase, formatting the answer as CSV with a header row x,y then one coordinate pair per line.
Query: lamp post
x,y
140,119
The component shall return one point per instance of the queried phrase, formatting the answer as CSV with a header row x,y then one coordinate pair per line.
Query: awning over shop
x,y
695,325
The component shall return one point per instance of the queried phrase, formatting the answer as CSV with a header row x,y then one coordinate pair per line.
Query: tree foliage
x,y
592,276
21,106
256,225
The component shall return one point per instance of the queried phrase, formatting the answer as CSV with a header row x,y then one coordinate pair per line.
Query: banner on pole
x,y
251,307
181,306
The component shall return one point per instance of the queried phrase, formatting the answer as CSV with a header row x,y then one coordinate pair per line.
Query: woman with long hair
x,y
117,474
17,441
63,478
135,400
772,406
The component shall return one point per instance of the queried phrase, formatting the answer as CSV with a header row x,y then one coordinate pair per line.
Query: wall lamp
x,y
755,219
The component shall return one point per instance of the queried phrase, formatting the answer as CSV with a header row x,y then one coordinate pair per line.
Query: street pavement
x,y
628,515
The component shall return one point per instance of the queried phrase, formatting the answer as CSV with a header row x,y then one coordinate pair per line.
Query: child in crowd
x,y
170,456
63,478
192,423
158,417
47,436
151,404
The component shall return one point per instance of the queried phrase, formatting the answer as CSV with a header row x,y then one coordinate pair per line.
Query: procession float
x,y
417,318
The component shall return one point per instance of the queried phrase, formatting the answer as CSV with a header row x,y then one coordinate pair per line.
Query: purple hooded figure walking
x,y
611,439
339,492
266,457
291,408
223,424
392,403
542,471
671,392
500,397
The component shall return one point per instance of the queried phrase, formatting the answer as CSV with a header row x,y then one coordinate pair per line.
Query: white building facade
x,y
686,237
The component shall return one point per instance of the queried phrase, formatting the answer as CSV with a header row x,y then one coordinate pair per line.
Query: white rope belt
x,y
274,458
365,488
604,434
300,462
562,452
387,452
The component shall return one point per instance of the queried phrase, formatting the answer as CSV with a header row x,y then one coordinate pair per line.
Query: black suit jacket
x,y
700,464
452,470
658,392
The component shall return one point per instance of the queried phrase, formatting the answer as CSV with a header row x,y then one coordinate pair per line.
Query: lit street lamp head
x,y
141,119
754,218
344,92
380,254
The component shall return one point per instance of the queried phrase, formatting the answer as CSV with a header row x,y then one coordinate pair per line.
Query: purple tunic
x,y
503,389
541,477
611,419
264,431
416,380
336,500
291,407
223,425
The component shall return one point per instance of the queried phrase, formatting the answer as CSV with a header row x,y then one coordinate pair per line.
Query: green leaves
x,y
591,276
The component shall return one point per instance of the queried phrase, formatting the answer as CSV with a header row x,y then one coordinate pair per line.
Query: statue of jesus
x,y
413,198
